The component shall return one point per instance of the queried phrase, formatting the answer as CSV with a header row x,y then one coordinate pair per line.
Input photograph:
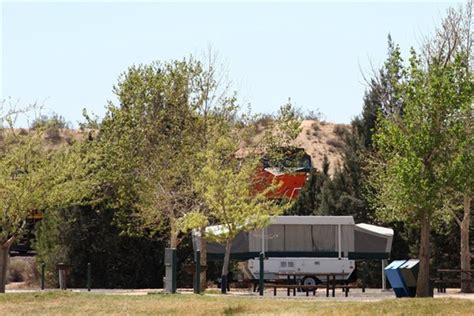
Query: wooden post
x,y
384,281
89,277
42,275
197,274
261,276
62,279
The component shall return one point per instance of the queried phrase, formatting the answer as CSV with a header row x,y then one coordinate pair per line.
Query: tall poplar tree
x,y
407,169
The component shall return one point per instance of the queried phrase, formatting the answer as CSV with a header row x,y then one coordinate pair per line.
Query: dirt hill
x,y
319,138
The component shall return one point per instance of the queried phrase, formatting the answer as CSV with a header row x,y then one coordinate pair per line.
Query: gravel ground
x,y
354,294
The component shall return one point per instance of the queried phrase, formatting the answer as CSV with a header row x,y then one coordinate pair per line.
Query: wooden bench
x,y
441,282
308,288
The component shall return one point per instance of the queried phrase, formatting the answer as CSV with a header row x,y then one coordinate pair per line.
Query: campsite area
x,y
186,158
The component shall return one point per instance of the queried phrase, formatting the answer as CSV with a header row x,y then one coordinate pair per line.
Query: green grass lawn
x,y
67,303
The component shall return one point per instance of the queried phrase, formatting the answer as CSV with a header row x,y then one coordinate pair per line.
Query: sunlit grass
x,y
67,303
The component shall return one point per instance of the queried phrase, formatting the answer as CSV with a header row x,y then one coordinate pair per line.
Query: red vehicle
x,y
289,167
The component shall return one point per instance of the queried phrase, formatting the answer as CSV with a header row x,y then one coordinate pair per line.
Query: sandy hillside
x,y
322,138
317,138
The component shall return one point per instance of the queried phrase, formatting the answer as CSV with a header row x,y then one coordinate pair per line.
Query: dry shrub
x,y
23,132
264,121
69,140
316,128
22,269
340,130
53,135
336,143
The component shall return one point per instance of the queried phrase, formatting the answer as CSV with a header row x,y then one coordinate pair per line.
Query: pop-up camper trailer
x,y
307,244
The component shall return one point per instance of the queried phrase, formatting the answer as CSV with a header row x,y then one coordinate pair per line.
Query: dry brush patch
x,y
61,303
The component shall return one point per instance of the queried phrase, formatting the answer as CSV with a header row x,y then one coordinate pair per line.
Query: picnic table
x,y
449,276
329,284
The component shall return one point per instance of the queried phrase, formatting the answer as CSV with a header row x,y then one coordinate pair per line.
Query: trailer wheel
x,y
310,281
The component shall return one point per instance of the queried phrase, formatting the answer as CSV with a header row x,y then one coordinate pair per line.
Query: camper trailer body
x,y
301,267
306,245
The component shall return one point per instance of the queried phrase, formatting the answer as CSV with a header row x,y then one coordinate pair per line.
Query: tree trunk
x,y
173,235
465,247
203,259
422,289
225,266
4,254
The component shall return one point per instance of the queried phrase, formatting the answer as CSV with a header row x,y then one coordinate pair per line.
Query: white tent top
x,y
299,220
214,230
313,220
377,229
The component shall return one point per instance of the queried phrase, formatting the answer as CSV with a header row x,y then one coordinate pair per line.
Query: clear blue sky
x,y
70,55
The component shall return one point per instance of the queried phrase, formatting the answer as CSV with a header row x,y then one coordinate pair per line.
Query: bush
x,y
23,132
315,128
264,121
81,235
340,130
22,269
53,135
313,115
336,143
46,122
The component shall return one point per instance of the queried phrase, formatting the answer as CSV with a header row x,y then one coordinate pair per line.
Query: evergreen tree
x,y
309,199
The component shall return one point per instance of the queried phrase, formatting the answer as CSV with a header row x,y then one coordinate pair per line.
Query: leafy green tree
x,y
407,169
148,144
452,37
148,125
33,176
21,189
226,185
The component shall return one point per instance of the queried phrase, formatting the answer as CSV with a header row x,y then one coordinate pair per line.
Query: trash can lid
x,y
410,264
63,266
395,264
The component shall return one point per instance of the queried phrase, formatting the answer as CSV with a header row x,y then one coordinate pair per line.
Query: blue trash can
x,y
409,272
395,278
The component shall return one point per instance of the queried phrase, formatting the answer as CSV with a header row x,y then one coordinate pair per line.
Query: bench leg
x,y
274,291
347,291
294,291
314,292
288,292
307,292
